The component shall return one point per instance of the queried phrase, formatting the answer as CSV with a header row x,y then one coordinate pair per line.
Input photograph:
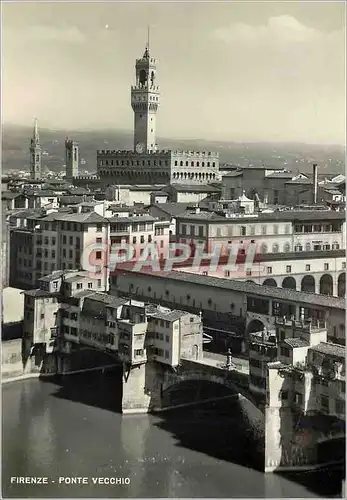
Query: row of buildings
x,y
298,249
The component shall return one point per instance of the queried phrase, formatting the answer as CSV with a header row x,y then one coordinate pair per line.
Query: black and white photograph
x,y
173,302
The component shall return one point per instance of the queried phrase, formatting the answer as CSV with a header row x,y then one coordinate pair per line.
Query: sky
x,y
238,71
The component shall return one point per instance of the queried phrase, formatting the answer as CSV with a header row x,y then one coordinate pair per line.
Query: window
x,y
263,229
308,267
98,255
227,274
269,270
99,283
298,398
98,228
134,240
343,265
326,266
79,286
167,354
243,230
275,229
90,285
288,269
138,352
71,240
42,316
99,240
248,272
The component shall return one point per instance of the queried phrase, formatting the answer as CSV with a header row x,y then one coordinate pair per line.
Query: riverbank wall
x,y
15,366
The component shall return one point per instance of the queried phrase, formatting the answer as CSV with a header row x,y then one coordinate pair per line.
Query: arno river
x,y
75,430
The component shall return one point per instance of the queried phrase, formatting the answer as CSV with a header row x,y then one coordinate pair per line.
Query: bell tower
x,y
145,98
35,154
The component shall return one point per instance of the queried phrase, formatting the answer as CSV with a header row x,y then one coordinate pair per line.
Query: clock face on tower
x,y
140,147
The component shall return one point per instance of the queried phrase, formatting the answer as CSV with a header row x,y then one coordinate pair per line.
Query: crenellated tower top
x,y
145,97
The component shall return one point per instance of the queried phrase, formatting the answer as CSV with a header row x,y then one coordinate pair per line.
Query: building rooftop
x,y
236,173
186,188
280,215
72,279
285,294
108,300
39,293
83,218
133,219
51,277
295,342
280,175
171,209
330,349
170,315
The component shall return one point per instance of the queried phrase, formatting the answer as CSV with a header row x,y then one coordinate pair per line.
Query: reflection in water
x,y
73,430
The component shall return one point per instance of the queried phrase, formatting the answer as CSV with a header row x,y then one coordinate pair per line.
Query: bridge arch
x,y
270,282
233,382
308,284
326,285
289,282
341,285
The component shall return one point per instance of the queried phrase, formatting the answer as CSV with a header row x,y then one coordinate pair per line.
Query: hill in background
x,y
294,156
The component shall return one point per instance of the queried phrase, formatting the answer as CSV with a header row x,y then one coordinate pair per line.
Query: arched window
x,y
308,247
298,247
176,163
263,248
275,248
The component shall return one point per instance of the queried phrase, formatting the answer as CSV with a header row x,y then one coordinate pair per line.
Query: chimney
x,y
315,183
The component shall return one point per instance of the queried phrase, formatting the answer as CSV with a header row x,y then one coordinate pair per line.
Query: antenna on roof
x,y
148,33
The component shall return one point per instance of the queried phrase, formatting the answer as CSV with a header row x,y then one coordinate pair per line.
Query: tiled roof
x,y
295,342
247,288
72,279
282,215
133,219
171,315
201,215
106,299
51,277
170,208
195,189
300,181
237,173
88,217
39,293
280,175
71,200
330,349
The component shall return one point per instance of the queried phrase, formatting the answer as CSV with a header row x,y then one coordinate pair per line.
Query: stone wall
x,y
13,364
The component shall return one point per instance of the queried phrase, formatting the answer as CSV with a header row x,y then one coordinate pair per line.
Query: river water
x,y
74,429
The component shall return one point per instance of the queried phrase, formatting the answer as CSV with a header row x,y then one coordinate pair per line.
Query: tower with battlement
x,y
145,97
71,159
35,154
146,164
